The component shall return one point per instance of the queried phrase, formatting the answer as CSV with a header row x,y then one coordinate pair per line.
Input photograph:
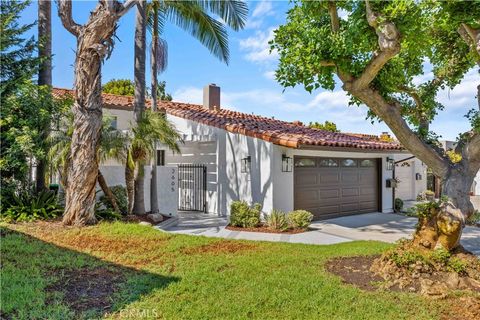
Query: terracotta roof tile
x,y
288,134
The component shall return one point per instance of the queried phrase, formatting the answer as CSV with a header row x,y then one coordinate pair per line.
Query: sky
x,y
247,82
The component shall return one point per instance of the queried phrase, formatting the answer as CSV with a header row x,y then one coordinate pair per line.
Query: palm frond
x,y
160,53
191,17
233,12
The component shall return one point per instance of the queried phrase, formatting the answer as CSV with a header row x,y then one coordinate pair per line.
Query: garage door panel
x,y
307,178
350,192
329,193
336,191
329,177
349,176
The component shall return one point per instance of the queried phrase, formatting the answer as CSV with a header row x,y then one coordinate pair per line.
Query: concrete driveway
x,y
371,226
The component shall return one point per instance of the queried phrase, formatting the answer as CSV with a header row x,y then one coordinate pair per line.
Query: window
x,y
113,123
349,163
367,163
160,157
304,162
328,163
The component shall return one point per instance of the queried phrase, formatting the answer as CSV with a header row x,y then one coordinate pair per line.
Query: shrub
x,y
107,214
474,218
242,215
299,219
28,206
277,220
426,195
120,194
398,204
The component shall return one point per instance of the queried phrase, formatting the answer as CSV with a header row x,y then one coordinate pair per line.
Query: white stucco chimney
x,y
211,97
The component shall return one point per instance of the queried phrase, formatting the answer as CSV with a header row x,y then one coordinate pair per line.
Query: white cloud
x,y
331,98
257,48
270,75
261,11
463,95
188,95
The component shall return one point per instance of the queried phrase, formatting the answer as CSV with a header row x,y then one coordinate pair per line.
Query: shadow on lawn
x,y
64,280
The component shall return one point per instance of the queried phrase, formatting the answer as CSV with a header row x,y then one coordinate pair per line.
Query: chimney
x,y
211,97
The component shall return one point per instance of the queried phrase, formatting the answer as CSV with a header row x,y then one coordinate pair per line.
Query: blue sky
x,y
247,82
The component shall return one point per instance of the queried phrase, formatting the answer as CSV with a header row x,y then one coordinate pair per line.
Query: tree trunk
x,y
107,192
93,44
44,73
153,58
130,182
139,103
139,198
443,227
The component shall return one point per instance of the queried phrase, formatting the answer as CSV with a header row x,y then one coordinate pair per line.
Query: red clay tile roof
x,y
288,134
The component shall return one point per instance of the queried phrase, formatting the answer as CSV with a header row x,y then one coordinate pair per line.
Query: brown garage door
x,y
333,187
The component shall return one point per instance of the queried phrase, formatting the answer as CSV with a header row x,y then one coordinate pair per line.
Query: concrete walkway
x,y
371,226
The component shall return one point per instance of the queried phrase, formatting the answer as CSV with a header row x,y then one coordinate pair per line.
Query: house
x,y
229,155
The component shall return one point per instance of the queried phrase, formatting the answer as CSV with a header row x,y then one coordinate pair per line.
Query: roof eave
x,y
350,149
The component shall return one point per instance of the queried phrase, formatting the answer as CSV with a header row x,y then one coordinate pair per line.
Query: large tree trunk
x,y
107,192
443,227
139,103
93,44
44,73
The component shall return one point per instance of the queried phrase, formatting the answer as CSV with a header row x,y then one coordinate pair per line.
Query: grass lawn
x,y
159,275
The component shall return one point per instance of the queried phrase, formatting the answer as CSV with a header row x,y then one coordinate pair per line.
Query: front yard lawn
x,y
125,270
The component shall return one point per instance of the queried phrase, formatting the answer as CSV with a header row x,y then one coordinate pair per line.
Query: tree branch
x,y
127,5
389,46
470,36
335,21
391,115
65,14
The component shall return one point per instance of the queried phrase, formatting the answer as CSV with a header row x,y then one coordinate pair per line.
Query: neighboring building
x,y
281,165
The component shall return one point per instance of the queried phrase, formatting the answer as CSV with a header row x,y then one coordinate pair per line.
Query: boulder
x,y
155,217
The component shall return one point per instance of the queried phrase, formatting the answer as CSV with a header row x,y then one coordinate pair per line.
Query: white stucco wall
x,y
409,187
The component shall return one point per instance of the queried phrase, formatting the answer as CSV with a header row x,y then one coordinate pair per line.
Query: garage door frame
x,y
378,182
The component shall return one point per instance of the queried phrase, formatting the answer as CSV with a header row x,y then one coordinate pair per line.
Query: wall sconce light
x,y
390,164
418,176
246,164
287,163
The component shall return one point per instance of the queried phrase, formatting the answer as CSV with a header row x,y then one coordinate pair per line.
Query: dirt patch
x,y
265,229
86,289
462,308
220,247
355,271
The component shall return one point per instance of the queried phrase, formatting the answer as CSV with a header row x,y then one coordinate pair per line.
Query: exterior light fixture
x,y
390,164
246,164
287,163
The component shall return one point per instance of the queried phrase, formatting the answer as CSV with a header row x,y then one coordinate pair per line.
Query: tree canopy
x,y
316,45
126,87
327,126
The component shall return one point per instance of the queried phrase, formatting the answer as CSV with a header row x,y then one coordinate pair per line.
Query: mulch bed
x,y
265,229
355,271
86,289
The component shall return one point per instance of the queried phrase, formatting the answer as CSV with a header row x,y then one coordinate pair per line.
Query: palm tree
x,y
139,102
45,70
113,145
153,127
195,17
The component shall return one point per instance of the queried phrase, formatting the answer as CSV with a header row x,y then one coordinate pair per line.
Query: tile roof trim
x,y
198,113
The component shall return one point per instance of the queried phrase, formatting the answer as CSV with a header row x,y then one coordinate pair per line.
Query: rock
x,y
433,289
155,217
452,281
144,223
